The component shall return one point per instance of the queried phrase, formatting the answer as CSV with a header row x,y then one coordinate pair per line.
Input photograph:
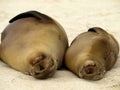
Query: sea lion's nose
x,y
43,67
92,70
40,63
89,69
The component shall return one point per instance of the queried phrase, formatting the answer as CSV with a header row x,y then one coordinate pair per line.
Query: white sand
x,y
75,16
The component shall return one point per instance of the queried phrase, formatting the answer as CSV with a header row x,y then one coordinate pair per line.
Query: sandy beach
x,y
76,16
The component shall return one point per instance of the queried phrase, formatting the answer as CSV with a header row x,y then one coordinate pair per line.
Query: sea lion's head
x,y
42,66
92,70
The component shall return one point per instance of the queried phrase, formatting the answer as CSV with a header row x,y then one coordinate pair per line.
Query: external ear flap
x,y
34,14
97,30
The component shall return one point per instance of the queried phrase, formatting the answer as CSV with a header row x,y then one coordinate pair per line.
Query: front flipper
x,y
97,30
35,14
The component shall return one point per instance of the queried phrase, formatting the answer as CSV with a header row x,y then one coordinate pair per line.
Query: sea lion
x,y
34,43
92,53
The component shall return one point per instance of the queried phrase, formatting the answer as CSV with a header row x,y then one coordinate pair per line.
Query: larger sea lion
x,y
92,53
33,43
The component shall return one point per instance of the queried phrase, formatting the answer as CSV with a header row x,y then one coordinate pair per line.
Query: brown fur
x,y
92,53
34,46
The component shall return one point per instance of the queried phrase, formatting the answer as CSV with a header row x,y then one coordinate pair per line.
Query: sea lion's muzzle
x,y
92,71
43,67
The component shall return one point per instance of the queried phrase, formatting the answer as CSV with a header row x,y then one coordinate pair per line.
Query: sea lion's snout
x,y
43,67
92,71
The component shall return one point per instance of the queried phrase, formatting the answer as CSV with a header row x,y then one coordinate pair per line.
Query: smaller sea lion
x,y
33,43
92,53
